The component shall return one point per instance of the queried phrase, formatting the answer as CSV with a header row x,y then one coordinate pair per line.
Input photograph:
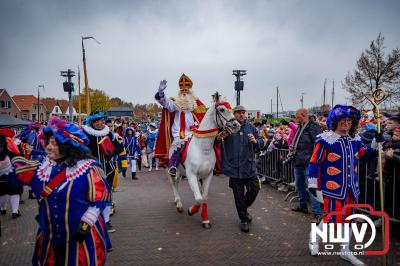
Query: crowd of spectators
x,y
280,136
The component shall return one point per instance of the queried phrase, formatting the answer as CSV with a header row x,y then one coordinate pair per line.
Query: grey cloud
x,y
293,44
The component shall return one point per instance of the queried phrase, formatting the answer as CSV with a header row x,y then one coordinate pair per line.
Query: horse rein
x,y
221,118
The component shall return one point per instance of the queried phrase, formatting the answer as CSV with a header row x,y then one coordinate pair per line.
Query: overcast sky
x,y
291,44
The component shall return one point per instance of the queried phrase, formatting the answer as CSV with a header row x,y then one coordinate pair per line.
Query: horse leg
x,y
204,213
194,185
177,197
178,202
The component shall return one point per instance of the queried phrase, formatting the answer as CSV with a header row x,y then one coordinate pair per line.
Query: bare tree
x,y
374,70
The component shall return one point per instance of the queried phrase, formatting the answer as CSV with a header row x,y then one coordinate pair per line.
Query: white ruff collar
x,y
331,137
80,168
97,133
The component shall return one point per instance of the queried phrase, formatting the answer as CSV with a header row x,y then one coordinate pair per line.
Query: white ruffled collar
x,y
97,133
80,168
331,137
155,131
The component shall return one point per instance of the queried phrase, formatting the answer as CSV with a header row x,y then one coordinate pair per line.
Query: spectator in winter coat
x,y
293,128
303,145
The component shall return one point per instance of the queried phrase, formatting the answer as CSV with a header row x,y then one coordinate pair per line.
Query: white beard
x,y
186,103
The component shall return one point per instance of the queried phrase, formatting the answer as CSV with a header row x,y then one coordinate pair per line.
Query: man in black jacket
x,y
302,148
239,163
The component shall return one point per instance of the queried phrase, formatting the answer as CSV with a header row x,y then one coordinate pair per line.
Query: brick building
x,y
7,105
28,106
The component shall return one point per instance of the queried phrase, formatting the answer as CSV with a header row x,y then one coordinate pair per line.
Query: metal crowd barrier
x,y
271,167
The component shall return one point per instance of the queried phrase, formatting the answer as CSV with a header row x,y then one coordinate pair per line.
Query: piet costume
x,y
72,195
152,134
12,191
122,165
104,145
333,170
333,165
132,147
30,143
176,123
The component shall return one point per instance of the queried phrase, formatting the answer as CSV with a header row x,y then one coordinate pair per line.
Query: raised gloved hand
x,y
162,87
82,232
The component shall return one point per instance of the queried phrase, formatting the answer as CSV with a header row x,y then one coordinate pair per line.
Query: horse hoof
x,y
190,214
179,209
207,225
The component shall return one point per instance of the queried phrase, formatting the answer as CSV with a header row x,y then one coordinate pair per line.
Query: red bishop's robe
x,y
164,138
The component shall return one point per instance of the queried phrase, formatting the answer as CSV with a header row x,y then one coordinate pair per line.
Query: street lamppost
x,y
38,102
69,87
79,98
85,72
302,100
239,84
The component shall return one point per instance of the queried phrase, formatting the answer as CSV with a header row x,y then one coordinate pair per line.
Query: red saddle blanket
x,y
217,150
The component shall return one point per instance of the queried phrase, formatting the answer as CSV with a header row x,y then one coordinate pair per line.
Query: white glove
x,y
162,87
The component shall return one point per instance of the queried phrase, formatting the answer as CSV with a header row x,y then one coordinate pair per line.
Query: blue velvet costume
x,y
61,212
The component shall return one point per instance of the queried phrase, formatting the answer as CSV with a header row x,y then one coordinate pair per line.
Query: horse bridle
x,y
219,117
226,128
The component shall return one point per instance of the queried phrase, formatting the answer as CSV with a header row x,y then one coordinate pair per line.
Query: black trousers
x,y
243,199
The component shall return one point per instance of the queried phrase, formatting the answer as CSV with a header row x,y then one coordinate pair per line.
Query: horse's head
x,y
224,117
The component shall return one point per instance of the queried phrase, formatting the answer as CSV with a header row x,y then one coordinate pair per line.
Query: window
x,y
2,104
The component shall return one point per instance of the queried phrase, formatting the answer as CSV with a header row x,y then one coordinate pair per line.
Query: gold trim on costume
x,y
50,230
66,221
86,251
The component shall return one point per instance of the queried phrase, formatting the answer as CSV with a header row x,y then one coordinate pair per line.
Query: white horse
x,y
200,161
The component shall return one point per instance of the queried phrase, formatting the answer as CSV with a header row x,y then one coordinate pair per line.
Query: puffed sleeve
x,y
98,190
314,167
25,169
98,195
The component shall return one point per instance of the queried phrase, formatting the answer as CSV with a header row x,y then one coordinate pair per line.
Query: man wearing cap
x,y
239,163
178,116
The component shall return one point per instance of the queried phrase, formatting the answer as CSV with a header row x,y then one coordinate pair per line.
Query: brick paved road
x,y
151,232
